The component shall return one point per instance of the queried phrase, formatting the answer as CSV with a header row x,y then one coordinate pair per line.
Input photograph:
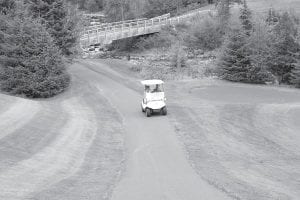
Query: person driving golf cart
x,y
147,88
157,88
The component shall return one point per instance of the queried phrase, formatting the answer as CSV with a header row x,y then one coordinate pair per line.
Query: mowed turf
x,y
263,5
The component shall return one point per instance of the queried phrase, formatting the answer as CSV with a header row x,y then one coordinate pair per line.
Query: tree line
x,y
248,48
35,37
117,10
262,51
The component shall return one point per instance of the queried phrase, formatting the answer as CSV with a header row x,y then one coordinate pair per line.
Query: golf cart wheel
x,y
148,112
143,110
164,111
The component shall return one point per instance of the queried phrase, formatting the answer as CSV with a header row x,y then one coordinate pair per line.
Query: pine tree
x,y
245,17
61,26
30,63
262,50
295,75
285,48
273,17
235,61
6,6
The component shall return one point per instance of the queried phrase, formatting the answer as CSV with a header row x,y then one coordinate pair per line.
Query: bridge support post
x,y
159,20
89,42
122,30
97,36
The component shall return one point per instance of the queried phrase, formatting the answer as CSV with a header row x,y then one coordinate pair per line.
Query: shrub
x,y
206,34
178,57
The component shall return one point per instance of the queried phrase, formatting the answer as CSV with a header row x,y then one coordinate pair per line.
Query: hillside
x,y
262,5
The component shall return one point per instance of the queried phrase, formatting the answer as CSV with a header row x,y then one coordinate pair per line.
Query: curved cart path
x,y
156,167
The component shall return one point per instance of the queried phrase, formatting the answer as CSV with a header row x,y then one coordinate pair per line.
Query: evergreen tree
x,y
286,48
61,26
30,63
295,75
262,50
245,17
6,6
273,17
235,61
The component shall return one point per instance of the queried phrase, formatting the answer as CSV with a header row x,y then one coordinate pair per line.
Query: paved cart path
x,y
156,167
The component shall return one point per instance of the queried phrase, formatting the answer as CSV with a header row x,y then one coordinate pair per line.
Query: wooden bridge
x,y
106,33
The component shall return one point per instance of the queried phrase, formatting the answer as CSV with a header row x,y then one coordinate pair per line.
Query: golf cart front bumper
x,y
156,105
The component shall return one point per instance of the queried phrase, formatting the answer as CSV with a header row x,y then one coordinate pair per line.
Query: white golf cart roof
x,y
152,82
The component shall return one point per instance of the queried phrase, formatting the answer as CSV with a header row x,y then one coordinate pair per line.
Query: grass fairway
x,y
262,5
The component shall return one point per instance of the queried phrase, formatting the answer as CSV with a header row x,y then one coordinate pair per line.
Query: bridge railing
x,y
107,33
103,25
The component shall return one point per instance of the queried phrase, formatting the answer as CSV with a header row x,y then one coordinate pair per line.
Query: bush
x,y
179,57
31,65
206,34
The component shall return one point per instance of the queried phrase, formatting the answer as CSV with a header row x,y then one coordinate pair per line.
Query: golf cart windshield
x,y
154,88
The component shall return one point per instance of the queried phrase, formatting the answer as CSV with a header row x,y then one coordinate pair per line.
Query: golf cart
x,y
154,97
